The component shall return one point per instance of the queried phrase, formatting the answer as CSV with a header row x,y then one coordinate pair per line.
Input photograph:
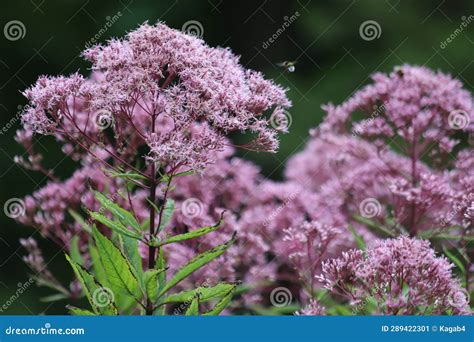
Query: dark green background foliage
x,y
333,61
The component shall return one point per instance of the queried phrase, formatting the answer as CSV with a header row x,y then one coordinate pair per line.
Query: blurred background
x,y
336,46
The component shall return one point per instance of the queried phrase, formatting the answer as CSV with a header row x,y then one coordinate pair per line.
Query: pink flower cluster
x,y
403,276
175,98
152,89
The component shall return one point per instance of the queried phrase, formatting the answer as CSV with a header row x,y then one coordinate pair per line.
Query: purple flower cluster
x,y
158,88
403,276
175,98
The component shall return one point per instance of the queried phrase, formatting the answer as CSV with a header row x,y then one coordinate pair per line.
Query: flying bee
x,y
288,65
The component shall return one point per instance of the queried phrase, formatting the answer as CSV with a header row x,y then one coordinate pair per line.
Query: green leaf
x,y
117,268
79,312
130,249
145,225
78,218
455,260
167,213
220,306
377,228
193,309
127,175
193,234
151,284
358,238
125,217
91,288
74,251
97,266
184,173
161,265
196,263
206,293
443,237
115,226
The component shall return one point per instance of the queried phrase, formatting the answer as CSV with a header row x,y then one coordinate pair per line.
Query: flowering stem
x,y
152,198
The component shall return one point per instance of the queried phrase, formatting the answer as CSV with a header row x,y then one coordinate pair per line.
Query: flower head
x,y
403,275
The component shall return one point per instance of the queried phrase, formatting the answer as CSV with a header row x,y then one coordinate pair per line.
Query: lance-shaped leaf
x,y
124,216
193,234
97,267
193,309
92,288
359,239
221,305
127,175
375,227
206,293
116,267
79,312
130,249
455,260
161,265
184,173
151,284
74,251
114,225
167,213
78,218
196,263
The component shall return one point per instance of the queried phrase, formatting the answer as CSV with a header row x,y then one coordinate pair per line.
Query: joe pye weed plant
x,y
157,107
373,216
